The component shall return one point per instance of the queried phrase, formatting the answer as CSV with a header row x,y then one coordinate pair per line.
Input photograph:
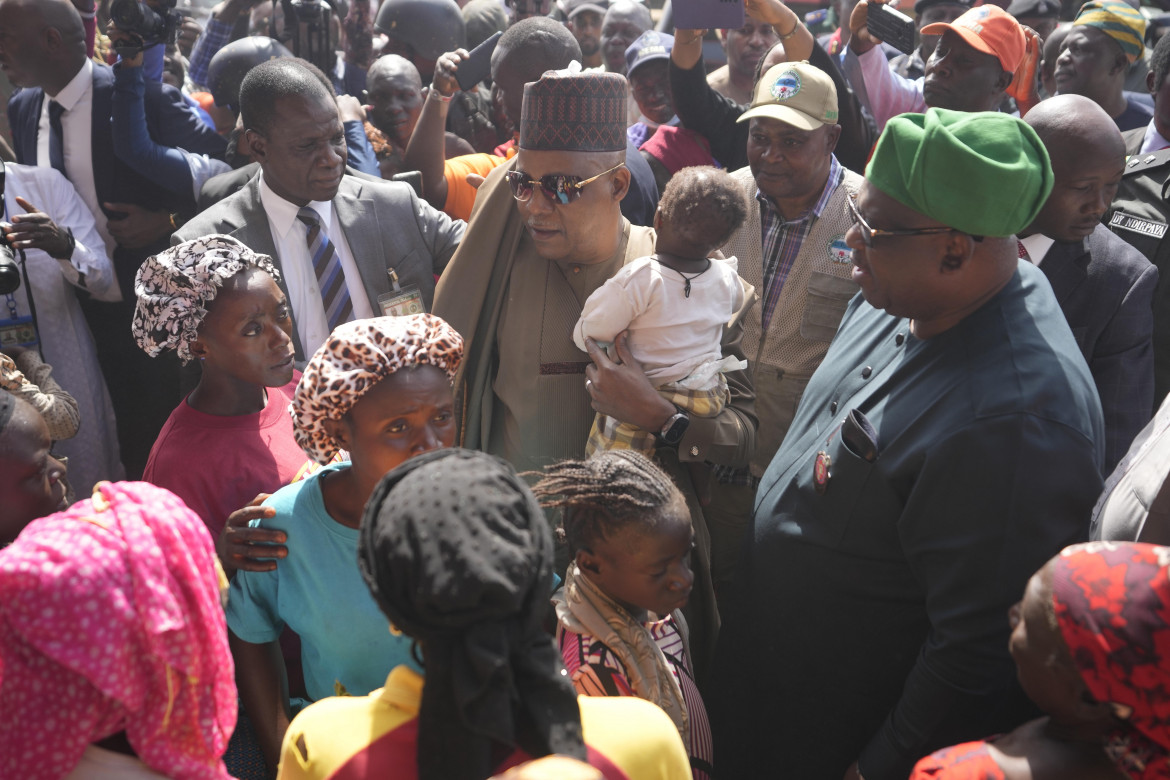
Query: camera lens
x,y
9,272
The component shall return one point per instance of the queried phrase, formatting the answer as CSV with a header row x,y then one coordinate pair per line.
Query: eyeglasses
x,y
868,233
558,187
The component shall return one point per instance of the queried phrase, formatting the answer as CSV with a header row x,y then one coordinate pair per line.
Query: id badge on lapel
x,y
401,301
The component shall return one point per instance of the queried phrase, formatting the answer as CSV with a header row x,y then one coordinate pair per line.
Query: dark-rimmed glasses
x,y
560,188
868,233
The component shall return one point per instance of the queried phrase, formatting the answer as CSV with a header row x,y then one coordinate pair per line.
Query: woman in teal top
x,y
379,389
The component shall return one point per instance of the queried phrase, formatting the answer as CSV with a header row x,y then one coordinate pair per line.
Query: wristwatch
x,y
674,429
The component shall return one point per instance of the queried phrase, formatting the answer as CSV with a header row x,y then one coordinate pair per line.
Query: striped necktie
x,y
327,268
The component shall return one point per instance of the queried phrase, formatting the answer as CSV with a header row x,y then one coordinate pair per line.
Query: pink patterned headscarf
x,y
111,620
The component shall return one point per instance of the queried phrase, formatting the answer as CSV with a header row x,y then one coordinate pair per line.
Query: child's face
x,y
645,569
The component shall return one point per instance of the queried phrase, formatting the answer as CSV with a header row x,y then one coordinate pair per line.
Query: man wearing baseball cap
x,y
948,444
648,71
981,57
1105,39
792,250
583,18
913,65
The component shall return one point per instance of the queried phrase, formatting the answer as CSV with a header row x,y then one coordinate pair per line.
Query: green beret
x,y
983,173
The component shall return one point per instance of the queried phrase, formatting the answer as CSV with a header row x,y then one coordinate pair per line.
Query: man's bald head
x,y
1088,158
394,67
1074,127
42,43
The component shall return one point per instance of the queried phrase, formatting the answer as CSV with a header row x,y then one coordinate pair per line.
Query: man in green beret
x,y
948,445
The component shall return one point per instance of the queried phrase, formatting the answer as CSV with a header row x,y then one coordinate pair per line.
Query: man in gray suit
x,y
1104,286
335,237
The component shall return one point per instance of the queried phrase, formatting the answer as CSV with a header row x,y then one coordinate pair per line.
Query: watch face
x,y
675,430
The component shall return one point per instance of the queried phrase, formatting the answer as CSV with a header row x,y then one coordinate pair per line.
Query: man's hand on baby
x,y
620,389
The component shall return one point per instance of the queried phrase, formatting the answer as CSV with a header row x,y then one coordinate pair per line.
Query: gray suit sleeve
x,y
439,232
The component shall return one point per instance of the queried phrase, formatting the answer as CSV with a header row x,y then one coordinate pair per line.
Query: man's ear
x,y
339,431
1150,86
198,349
959,250
833,135
587,561
1121,65
257,143
621,183
1004,81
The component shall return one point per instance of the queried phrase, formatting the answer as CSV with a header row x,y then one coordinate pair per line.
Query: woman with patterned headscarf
x,y
216,301
379,389
1091,642
113,655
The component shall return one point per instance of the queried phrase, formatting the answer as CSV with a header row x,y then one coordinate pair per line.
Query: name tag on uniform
x,y
1137,225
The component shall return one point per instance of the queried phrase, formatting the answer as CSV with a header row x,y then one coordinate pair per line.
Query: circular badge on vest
x,y
839,251
786,86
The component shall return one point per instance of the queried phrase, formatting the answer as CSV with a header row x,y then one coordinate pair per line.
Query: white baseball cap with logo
x,y
797,94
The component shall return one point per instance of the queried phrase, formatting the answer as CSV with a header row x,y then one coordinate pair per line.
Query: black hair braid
x,y
605,493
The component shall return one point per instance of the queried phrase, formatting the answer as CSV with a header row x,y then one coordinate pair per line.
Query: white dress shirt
x,y
1153,141
66,341
289,237
77,141
1037,245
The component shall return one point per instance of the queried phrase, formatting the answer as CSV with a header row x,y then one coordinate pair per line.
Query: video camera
x,y
306,29
147,23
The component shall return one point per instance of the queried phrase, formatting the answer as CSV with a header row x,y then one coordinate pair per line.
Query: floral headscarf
x,y
355,357
175,287
111,620
1112,603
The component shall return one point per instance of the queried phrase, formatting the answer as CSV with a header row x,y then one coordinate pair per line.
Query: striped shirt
x,y
597,671
782,239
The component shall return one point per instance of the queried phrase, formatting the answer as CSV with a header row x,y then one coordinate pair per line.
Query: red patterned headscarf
x,y
1112,604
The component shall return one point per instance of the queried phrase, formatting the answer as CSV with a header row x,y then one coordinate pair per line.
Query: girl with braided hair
x,y
619,625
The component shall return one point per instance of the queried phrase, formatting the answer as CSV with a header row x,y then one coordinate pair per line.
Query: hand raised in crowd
x,y
36,230
860,39
444,81
241,547
621,390
350,108
189,32
138,227
1023,86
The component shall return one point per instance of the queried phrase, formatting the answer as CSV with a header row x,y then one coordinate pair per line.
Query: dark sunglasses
x,y
868,233
558,187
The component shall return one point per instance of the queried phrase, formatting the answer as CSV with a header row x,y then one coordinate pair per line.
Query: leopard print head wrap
x,y
174,289
355,357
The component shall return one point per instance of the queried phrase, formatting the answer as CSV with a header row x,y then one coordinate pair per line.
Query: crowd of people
x,y
541,390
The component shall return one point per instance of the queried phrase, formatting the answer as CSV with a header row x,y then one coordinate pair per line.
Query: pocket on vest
x,y
828,297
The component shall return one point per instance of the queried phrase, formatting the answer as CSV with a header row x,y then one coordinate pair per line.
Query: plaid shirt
x,y
781,243
215,36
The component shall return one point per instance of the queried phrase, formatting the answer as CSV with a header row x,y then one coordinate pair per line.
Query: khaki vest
x,y
818,288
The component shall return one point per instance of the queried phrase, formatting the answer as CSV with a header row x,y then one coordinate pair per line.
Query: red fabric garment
x,y
1112,604
219,464
677,148
969,761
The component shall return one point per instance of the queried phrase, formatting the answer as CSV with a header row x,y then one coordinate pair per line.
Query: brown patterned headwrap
x,y
357,356
574,112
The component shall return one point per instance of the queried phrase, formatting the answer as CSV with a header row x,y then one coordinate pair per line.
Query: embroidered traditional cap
x,y
574,112
1119,21
797,94
651,45
998,160
988,29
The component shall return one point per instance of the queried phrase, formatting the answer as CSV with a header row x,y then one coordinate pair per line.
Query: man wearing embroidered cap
x,y
980,58
948,444
546,233
792,249
1106,38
